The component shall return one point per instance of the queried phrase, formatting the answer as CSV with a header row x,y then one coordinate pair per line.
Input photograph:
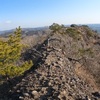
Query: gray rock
x,y
21,98
34,93
26,94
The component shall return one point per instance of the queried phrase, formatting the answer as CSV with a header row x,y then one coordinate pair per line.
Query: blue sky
x,y
35,13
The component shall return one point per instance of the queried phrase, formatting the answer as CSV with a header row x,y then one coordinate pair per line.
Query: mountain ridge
x,y
66,67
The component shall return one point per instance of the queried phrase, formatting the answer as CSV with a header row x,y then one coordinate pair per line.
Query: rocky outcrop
x,y
61,71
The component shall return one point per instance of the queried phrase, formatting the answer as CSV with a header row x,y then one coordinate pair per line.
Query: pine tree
x,y
10,53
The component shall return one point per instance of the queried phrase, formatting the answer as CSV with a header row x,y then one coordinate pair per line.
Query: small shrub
x,y
73,33
88,31
85,26
56,28
73,25
83,52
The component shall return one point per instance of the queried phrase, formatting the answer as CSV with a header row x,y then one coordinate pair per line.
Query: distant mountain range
x,y
26,31
95,27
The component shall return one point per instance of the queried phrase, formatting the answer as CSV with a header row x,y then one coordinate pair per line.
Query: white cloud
x,y
8,21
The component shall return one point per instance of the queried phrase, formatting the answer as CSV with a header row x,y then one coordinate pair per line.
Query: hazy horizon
x,y
45,26
39,13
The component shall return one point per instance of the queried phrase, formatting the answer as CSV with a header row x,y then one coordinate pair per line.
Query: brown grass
x,y
85,75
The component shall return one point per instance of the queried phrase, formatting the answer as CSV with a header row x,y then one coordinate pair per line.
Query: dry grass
x,y
85,75
3,38
33,40
29,40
